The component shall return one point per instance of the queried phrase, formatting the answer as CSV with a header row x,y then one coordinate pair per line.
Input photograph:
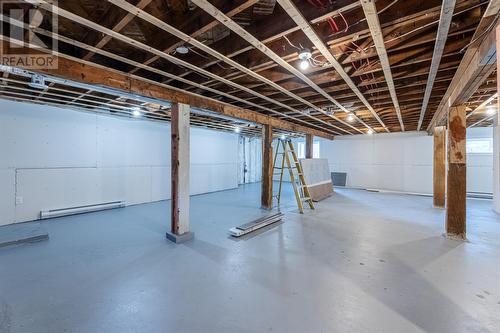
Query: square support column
x,y
267,167
309,146
179,231
457,172
439,166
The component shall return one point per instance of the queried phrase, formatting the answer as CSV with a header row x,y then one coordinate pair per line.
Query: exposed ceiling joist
x,y
78,19
168,28
302,23
478,62
442,35
118,27
378,38
71,68
228,22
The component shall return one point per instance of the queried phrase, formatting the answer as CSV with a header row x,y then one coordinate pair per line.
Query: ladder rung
x,y
306,199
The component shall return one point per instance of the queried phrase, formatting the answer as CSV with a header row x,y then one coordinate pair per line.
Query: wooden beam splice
x,y
233,26
442,35
302,23
188,39
378,38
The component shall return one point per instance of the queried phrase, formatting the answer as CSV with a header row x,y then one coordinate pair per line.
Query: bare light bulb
x,y
237,130
350,117
490,110
136,113
304,64
282,137
370,131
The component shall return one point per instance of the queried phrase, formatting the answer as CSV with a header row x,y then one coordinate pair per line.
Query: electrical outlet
x,y
19,200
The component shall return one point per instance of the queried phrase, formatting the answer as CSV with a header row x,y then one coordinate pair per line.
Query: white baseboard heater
x,y
47,214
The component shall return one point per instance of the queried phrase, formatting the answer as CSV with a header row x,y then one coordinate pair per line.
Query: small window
x,y
301,153
480,146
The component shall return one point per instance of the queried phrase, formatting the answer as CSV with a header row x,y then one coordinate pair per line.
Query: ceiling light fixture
x,y
282,137
136,112
182,49
370,131
350,117
491,109
237,130
305,56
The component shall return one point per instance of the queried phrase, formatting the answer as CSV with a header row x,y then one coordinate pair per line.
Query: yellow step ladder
x,y
286,150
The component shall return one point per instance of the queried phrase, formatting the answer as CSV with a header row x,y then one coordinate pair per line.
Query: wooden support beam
x,y
442,36
179,231
267,167
439,167
456,180
309,146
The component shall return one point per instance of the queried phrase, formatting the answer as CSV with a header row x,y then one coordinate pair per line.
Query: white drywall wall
x,y
400,161
55,158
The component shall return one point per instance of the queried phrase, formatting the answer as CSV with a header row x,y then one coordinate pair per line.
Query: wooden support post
x,y
267,167
439,166
179,231
309,146
456,180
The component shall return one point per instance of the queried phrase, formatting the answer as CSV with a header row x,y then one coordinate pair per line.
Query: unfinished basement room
x,y
215,166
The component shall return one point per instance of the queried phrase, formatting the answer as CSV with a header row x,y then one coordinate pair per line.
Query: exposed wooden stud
x,y
378,38
442,35
267,167
309,146
456,189
439,174
300,20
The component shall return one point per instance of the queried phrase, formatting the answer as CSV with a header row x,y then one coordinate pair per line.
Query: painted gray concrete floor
x,y
361,262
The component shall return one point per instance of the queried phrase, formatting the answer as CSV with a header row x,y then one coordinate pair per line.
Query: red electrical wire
x,y
333,25
345,21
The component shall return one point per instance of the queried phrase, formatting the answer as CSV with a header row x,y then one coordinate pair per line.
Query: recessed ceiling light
x,y
136,112
182,49
491,110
